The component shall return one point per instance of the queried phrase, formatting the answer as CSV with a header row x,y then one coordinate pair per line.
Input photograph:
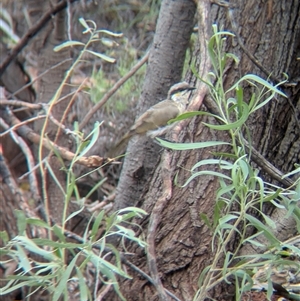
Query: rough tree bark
x,y
165,68
179,240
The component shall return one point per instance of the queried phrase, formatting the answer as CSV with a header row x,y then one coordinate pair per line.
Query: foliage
x,y
43,263
6,27
138,17
242,190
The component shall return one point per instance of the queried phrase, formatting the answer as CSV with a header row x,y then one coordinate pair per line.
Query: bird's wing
x,y
157,116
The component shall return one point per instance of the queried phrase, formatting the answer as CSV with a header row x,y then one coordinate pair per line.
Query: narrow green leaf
x,y
207,173
102,56
83,23
59,233
57,244
221,163
136,210
32,247
62,284
95,187
71,188
96,224
255,78
272,196
4,237
261,227
203,274
75,213
240,99
100,262
21,221
192,114
110,33
188,146
67,44
226,263
24,261
227,218
38,222
83,289
233,125
95,136
205,219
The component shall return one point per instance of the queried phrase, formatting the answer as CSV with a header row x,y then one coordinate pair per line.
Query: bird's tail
x,y
119,148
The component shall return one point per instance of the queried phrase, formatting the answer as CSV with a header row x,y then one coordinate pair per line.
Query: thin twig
x,y
115,87
32,32
41,75
25,131
20,103
20,123
66,111
29,158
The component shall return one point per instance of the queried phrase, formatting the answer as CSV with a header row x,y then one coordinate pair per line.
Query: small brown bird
x,y
158,115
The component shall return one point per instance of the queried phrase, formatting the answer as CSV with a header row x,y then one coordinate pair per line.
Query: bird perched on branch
x,y
157,117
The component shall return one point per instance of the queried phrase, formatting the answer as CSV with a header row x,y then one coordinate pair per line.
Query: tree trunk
x,y
165,68
179,242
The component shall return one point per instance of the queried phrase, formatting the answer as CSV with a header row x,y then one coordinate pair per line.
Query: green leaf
x,y
21,221
68,44
24,261
95,135
96,224
192,114
4,237
101,263
110,33
240,98
207,173
57,244
203,274
226,263
227,218
38,222
233,125
95,187
138,211
261,227
188,146
83,23
59,233
62,284
255,78
74,213
29,245
83,289
102,56
205,219
221,163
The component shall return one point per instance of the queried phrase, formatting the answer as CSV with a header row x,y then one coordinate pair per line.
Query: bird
x,y
155,119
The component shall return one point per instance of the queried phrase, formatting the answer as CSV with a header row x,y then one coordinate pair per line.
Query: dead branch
x,y
26,132
32,32
33,182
